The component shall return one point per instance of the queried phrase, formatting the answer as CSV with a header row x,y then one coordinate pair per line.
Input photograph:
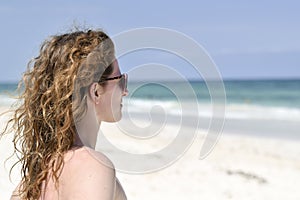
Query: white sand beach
x,y
239,167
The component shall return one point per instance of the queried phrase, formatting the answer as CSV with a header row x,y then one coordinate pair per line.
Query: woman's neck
x,y
87,129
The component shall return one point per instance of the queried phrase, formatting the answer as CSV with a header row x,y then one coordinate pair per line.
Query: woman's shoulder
x,y
88,174
85,156
99,157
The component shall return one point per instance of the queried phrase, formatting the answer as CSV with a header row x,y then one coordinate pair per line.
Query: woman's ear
x,y
95,92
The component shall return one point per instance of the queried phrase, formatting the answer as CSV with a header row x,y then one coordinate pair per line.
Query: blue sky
x,y
247,40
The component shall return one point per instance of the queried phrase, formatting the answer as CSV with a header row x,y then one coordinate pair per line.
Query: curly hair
x,y
54,88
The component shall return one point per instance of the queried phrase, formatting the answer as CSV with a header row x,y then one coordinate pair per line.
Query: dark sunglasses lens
x,y
123,82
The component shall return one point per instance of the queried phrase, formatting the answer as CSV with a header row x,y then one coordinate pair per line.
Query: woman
x,y
73,85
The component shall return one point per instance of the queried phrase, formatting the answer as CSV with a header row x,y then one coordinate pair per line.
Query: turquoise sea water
x,y
266,108
245,99
271,93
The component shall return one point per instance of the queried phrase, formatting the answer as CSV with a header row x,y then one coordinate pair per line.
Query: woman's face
x,y
110,102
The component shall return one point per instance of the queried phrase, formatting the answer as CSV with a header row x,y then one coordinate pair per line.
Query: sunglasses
x,y
122,82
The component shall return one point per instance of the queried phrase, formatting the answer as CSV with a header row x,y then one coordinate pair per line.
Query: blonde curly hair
x,y
54,88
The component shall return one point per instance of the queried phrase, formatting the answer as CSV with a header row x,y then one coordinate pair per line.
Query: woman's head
x,y
100,89
57,86
108,100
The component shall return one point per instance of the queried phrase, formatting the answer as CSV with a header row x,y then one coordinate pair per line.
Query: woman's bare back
x,y
87,174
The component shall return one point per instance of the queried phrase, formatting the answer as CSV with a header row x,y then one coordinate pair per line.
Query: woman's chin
x,y
119,117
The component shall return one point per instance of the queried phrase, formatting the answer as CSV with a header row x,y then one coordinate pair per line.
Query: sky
x,y
245,39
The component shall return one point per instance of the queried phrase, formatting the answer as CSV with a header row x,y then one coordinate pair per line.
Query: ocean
x,y
281,97
273,102
259,99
